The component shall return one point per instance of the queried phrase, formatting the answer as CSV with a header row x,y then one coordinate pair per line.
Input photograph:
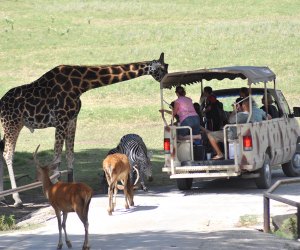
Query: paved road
x,y
207,217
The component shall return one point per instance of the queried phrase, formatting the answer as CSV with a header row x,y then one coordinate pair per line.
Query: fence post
x,y
298,222
267,228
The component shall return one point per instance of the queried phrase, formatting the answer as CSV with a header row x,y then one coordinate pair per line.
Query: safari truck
x,y
250,149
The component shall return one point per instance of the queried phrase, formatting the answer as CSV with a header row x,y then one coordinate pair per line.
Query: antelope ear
x,y
161,58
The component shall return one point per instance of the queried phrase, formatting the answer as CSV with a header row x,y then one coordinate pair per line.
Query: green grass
x,y
7,223
35,36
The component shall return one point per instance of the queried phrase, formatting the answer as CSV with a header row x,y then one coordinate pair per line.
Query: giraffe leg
x,y
9,149
1,175
60,136
70,138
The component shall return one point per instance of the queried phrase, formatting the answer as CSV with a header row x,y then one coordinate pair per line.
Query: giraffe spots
x,y
104,71
67,86
75,74
132,74
91,75
84,85
61,79
69,103
39,118
125,67
55,90
43,93
66,70
116,70
75,82
134,66
115,79
49,75
30,109
124,77
140,72
105,80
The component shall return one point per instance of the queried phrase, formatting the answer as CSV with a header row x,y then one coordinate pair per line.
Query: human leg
x,y
214,138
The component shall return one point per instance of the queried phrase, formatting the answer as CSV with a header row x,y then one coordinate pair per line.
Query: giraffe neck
x,y
84,78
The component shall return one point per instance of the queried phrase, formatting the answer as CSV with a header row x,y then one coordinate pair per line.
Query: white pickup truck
x,y
253,150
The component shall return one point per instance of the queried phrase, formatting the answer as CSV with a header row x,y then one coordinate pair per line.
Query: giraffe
x,y
53,100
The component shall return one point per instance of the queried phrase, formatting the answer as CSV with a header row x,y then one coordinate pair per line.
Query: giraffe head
x,y
158,68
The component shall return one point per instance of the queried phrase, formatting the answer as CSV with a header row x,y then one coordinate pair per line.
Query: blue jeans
x,y
193,122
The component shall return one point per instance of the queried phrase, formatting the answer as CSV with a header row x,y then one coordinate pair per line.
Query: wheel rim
x,y
296,161
268,173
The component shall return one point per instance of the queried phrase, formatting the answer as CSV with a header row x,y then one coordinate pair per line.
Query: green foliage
x,y
7,222
288,228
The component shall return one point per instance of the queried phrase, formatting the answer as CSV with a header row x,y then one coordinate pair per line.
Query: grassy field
x,y
35,36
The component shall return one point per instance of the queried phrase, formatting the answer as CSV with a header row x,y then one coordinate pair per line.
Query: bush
x,y
7,222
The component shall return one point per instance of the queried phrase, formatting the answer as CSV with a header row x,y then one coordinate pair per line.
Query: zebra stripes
x,y
134,147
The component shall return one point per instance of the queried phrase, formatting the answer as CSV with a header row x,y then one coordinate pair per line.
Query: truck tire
x,y
184,183
264,180
292,168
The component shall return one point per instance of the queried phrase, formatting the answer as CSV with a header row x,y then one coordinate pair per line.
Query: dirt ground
x,y
32,201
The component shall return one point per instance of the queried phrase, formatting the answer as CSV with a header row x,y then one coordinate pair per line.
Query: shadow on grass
x,y
87,168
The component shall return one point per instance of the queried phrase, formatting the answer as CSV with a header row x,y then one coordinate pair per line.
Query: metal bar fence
x,y
31,185
268,195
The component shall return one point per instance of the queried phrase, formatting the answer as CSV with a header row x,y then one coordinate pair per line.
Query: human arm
x,y
167,111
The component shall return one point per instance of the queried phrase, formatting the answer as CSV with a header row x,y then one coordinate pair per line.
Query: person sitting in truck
x,y
211,110
244,93
239,115
259,115
185,110
272,110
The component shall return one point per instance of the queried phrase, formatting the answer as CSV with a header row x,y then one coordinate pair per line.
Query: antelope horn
x,y
137,175
37,163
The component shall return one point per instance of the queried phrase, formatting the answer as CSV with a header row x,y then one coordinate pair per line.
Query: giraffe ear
x,y
161,58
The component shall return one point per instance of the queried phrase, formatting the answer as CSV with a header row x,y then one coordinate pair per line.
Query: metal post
x,y
298,222
70,175
267,228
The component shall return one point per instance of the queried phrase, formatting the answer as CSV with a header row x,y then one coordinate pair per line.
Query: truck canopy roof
x,y
252,73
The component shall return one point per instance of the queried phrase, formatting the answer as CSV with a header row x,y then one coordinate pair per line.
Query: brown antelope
x,y
117,168
65,197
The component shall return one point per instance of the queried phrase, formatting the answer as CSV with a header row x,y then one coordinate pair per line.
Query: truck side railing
x,y
268,195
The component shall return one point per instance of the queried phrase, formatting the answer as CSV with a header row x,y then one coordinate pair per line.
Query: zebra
x,y
134,147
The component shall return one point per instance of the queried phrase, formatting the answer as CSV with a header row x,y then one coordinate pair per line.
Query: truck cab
x,y
250,149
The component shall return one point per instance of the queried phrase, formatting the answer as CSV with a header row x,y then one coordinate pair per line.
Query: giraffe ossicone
x,y
53,100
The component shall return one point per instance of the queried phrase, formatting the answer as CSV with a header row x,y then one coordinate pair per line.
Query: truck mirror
x,y
296,111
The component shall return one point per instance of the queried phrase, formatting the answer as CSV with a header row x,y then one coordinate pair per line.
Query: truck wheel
x,y
185,183
265,176
292,168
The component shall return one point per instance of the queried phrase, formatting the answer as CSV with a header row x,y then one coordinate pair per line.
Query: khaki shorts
x,y
218,135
